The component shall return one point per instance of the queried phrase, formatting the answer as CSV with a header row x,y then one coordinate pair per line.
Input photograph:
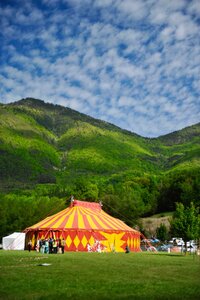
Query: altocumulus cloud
x,y
134,63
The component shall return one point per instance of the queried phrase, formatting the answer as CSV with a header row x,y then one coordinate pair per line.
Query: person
x,y
89,248
40,245
63,246
55,247
42,248
46,249
59,246
113,248
51,245
127,250
29,245
37,247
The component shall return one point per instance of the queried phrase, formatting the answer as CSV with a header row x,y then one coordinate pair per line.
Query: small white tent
x,y
14,241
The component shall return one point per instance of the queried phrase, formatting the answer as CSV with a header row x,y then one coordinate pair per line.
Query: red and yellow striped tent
x,y
82,225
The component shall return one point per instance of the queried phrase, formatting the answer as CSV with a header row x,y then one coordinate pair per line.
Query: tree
x,y
162,232
186,222
83,188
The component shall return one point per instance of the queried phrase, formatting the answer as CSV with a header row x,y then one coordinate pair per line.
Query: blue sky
x,y
133,63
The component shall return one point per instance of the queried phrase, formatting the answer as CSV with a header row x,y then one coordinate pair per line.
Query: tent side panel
x,y
89,240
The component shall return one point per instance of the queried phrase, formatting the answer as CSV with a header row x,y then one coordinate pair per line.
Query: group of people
x,y
58,246
49,246
96,247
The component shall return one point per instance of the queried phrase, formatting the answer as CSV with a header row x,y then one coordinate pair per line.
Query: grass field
x,y
99,276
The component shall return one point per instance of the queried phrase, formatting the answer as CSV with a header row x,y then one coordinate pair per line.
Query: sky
x,y
133,63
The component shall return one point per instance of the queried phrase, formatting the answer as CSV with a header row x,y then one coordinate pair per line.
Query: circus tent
x,y
84,224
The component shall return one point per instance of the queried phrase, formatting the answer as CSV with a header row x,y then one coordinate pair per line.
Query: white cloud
x,y
136,9
104,3
132,63
194,8
126,101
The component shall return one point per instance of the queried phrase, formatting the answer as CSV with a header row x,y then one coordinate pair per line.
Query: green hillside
x,y
48,152
182,148
83,145
27,148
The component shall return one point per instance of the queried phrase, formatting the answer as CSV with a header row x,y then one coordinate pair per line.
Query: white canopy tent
x,y
14,241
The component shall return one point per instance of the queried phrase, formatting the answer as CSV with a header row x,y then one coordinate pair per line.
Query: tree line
x,y
126,196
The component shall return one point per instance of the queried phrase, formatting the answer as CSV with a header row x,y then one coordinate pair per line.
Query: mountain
x,y
40,139
181,148
48,152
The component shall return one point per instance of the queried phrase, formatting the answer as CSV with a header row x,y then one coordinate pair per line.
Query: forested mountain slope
x,y
58,151
87,145
39,139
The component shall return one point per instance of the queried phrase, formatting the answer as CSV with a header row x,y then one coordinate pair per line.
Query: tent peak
x,y
92,205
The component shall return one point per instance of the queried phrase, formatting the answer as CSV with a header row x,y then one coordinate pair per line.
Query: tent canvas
x,y
14,241
83,225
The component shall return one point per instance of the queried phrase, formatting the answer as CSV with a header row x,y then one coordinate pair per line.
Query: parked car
x,y
191,245
177,241
164,247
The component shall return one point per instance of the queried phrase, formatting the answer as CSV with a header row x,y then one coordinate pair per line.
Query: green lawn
x,y
99,276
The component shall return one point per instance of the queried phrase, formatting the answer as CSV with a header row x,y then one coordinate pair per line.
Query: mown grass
x,y
99,276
